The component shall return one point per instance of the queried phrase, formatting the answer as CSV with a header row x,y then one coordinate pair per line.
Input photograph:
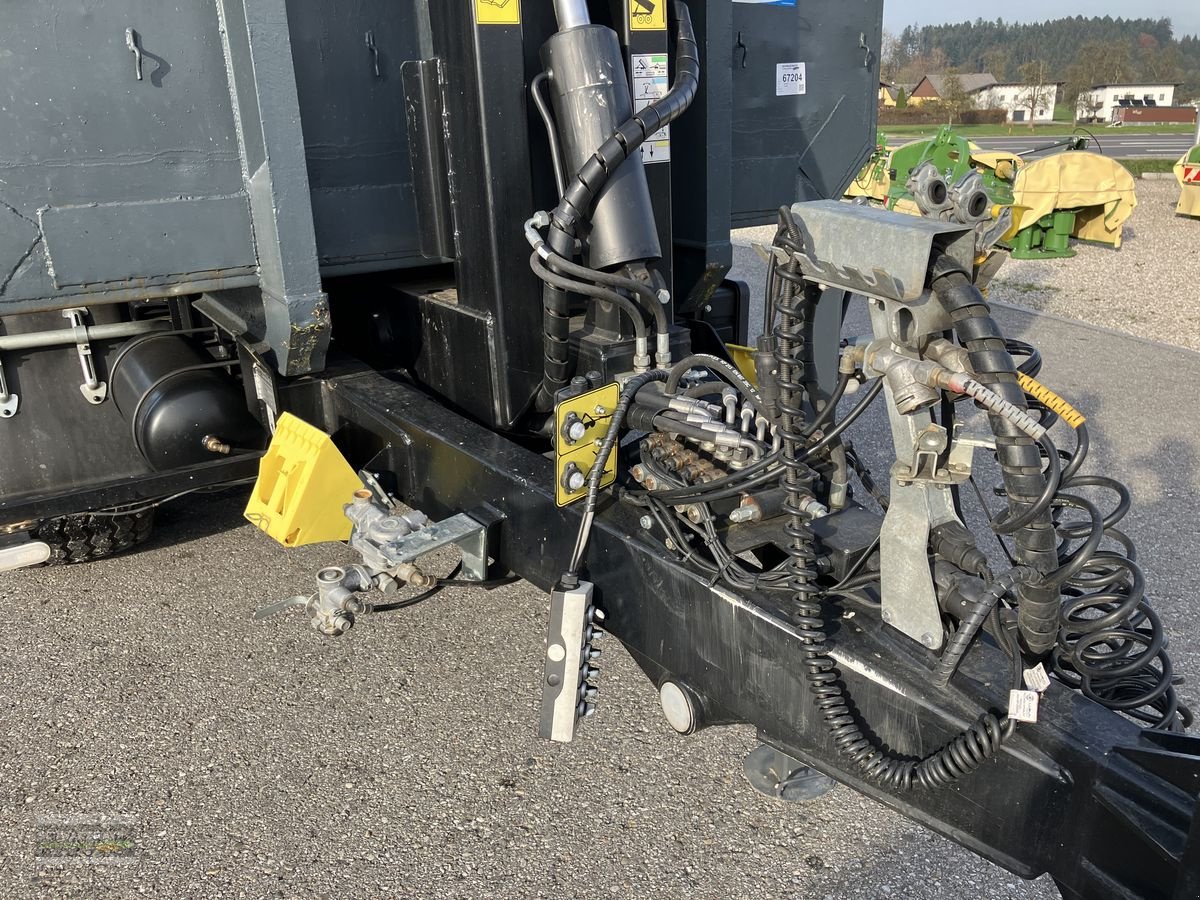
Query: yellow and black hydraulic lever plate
x,y
594,410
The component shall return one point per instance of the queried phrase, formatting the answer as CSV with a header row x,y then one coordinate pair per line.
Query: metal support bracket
x,y
875,252
93,389
290,312
920,501
9,402
908,598
470,536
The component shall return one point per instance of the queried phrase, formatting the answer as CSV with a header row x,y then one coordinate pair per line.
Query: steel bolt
x,y
928,640
646,522
743,514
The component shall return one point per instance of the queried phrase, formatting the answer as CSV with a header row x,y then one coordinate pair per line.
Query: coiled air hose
x,y
583,187
962,754
1106,640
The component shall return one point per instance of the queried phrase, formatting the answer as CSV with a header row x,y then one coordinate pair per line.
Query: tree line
x,y
1078,51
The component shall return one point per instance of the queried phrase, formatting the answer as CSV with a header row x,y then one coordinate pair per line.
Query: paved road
x,y
1119,146
260,760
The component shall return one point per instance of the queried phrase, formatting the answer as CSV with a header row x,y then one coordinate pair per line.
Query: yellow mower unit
x,y
1077,194
1187,172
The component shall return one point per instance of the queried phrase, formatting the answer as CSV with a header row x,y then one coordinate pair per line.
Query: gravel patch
x,y
1149,287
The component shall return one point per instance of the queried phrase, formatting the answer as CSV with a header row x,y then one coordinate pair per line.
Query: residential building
x,y
1098,104
1022,102
932,88
890,93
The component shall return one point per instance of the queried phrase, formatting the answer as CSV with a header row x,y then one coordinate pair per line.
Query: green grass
x,y
1019,130
1139,167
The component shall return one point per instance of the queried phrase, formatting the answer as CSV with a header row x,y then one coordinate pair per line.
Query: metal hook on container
x,y
133,42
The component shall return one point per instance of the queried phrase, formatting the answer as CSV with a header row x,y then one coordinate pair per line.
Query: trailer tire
x,y
87,537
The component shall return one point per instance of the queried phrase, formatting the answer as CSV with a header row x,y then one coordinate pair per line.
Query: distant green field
x,y
1141,166
1017,130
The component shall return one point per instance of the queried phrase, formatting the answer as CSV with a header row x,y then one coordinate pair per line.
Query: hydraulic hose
x,y
556,329
707,361
645,294
1020,457
576,202
570,578
722,438
627,306
957,646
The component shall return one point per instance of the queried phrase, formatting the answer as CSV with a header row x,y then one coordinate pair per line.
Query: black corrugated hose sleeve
x,y
556,329
576,203
1019,456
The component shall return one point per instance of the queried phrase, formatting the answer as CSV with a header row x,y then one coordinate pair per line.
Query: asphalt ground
x,y
257,759
1118,146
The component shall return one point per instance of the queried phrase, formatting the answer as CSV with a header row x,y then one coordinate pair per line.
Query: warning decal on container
x,y
649,84
790,79
648,15
1191,173
498,12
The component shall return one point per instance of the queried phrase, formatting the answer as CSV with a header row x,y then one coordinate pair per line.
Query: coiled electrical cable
x,y
1109,643
962,754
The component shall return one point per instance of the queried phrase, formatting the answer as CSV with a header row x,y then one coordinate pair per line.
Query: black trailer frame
x,y
1135,789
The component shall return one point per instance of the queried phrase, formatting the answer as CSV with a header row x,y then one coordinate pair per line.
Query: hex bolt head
x,y
928,640
646,522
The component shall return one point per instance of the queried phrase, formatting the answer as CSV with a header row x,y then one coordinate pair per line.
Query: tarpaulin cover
x,y
1100,187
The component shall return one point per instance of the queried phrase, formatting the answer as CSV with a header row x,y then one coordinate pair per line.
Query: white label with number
x,y
791,79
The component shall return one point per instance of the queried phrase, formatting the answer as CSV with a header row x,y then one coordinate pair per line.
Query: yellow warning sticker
x,y
648,15
498,12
